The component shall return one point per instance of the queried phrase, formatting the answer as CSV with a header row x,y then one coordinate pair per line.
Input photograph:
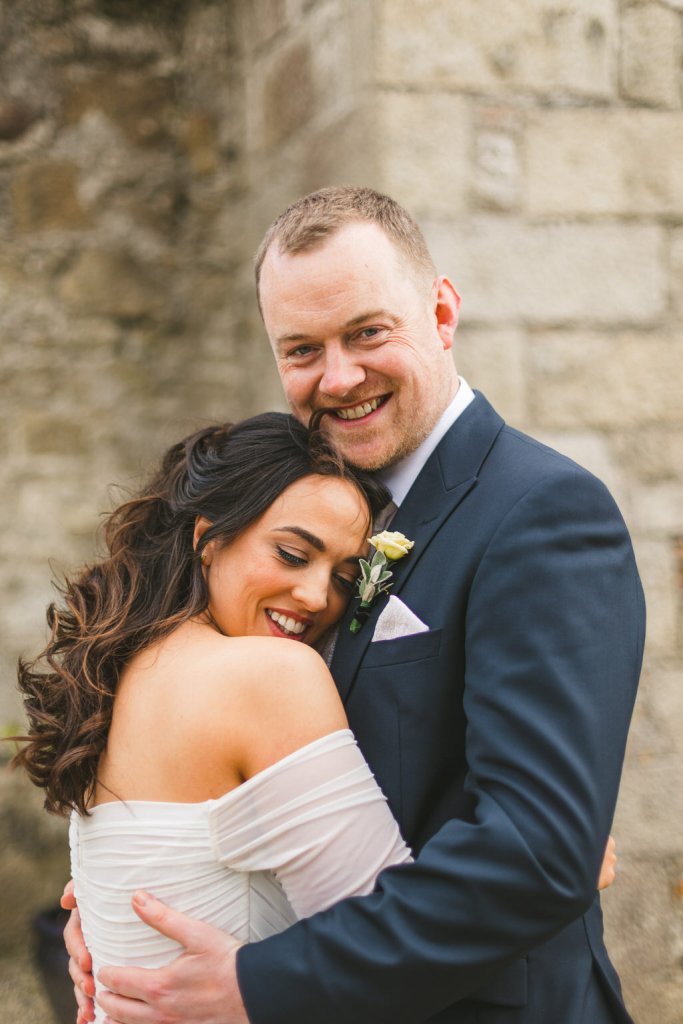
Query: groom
x,y
497,732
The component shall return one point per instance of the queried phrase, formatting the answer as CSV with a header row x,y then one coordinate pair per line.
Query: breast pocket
x,y
403,650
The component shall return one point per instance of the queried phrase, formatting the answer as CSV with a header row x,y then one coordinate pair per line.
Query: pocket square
x,y
396,621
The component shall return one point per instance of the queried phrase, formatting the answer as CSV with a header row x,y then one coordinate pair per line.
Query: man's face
x,y
358,331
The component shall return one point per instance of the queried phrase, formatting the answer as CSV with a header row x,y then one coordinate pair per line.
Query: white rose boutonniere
x,y
375,576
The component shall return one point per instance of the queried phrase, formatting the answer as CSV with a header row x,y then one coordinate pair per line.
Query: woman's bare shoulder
x,y
282,694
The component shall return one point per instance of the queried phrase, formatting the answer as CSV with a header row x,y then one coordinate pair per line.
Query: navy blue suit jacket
x,y
498,738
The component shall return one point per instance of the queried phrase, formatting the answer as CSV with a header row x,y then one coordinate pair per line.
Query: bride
x,y
199,756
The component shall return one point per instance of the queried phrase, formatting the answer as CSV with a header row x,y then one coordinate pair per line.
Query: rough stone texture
x,y
638,171
605,380
494,360
144,148
651,51
437,125
676,275
552,273
542,47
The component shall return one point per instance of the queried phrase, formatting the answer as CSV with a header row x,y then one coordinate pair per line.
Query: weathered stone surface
x,y
111,283
555,273
437,126
47,434
658,567
15,117
638,169
540,47
34,862
497,161
605,380
657,508
199,136
650,809
140,104
651,453
676,272
289,96
44,197
493,362
266,19
650,55
645,892
21,991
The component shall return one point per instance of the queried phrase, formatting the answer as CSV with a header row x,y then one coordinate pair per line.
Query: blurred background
x,y
145,147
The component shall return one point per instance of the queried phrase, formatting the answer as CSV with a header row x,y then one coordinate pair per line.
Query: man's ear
x,y
446,310
201,525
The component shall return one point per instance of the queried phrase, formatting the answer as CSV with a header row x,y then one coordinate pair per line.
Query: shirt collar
x,y
401,477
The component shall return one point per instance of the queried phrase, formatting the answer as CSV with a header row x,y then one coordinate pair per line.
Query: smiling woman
x,y
251,530
176,725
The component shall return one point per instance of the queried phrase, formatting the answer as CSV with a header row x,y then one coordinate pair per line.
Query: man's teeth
x,y
286,624
359,410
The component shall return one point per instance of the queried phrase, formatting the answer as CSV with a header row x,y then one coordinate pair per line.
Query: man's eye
x,y
290,558
300,352
370,332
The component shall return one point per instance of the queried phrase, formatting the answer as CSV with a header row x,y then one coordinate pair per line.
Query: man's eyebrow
x,y
305,535
287,339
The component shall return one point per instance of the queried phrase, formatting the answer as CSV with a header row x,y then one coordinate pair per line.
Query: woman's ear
x,y
201,525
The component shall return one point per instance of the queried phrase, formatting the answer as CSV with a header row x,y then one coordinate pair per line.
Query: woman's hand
x,y
80,962
608,870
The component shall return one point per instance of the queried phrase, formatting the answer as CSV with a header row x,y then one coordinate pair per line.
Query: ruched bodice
x,y
295,838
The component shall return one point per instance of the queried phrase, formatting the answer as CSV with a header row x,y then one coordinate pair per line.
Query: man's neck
x,y
401,477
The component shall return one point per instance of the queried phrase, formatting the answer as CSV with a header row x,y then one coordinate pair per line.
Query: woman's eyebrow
x,y
305,535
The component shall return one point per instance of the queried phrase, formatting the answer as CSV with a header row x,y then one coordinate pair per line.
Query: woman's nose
x,y
311,592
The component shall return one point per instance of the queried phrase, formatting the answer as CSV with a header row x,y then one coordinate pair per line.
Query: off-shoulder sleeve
x,y
317,819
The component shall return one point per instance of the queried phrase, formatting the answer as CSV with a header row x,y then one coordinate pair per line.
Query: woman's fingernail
x,y
140,898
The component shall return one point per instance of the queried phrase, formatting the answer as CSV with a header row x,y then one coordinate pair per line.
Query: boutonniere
x,y
375,575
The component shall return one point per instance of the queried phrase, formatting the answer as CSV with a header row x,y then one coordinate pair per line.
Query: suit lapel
x,y
445,479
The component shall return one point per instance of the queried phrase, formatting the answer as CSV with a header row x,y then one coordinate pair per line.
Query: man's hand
x,y
608,871
80,963
198,987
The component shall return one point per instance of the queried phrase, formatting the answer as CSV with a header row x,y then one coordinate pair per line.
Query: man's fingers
x,y
194,936
125,1011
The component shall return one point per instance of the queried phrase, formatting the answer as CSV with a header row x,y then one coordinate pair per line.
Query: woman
x,y
203,760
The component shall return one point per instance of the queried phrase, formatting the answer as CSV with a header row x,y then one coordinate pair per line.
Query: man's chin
x,y
369,455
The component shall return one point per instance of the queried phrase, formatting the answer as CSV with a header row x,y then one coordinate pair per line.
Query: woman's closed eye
x,y
347,583
290,557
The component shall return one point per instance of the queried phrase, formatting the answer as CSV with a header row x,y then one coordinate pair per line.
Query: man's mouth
x,y
287,625
361,411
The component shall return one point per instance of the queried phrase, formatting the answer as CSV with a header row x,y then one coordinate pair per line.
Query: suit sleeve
x,y
554,637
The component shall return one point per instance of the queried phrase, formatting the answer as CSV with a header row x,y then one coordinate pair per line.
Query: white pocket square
x,y
397,620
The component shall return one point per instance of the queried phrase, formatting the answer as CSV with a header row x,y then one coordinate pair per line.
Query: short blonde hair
x,y
309,221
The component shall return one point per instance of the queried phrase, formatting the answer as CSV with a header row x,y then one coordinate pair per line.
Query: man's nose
x,y
341,375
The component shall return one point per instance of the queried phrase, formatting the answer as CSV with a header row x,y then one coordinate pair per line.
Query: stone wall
x,y
143,150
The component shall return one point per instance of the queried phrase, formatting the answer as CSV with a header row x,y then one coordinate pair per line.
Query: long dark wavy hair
x,y
151,581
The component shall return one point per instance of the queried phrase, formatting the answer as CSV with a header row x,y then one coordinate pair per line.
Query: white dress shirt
x,y
401,477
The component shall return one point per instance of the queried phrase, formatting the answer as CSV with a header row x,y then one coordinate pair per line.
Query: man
x,y
497,732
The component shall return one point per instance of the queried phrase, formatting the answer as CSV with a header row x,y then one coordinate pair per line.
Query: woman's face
x,y
292,572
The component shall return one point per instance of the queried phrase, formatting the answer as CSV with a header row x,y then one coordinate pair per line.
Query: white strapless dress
x,y
292,840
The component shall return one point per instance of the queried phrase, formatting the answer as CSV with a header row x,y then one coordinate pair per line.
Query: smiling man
x,y
496,727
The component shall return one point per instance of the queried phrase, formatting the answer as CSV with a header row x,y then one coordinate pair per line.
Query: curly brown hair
x,y
151,581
